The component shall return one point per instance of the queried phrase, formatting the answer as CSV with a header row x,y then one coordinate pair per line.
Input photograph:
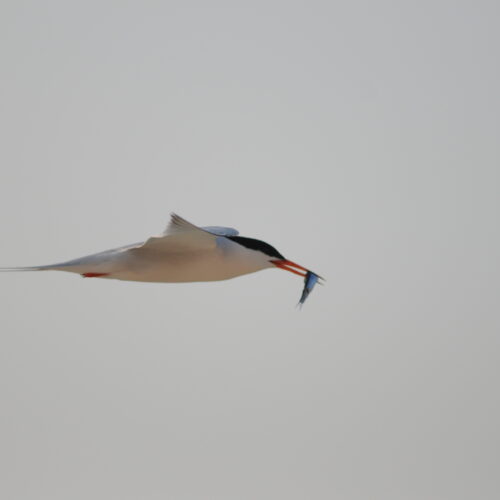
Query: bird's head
x,y
263,255
269,255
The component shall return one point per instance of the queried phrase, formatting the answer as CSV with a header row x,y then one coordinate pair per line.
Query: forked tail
x,y
32,268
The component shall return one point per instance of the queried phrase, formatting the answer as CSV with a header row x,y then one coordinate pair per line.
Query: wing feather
x,y
182,236
221,231
178,225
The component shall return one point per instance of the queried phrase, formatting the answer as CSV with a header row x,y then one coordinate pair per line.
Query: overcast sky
x,y
358,138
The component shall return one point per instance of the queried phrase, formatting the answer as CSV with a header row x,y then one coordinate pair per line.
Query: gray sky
x,y
360,139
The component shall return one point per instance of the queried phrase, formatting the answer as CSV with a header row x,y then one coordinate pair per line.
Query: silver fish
x,y
310,280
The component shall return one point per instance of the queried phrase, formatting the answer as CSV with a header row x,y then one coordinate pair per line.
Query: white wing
x,y
181,236
177,224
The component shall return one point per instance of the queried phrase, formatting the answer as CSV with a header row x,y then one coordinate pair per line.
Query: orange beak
x,y
288,265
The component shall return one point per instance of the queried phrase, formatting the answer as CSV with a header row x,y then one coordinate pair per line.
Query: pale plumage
x,y
183,253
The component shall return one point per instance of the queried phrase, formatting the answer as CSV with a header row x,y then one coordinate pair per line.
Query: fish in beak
x,y
310,278
309,281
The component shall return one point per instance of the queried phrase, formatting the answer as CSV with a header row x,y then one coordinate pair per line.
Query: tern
x,y
182,253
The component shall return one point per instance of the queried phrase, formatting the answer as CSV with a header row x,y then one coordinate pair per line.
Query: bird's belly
x,y
179,268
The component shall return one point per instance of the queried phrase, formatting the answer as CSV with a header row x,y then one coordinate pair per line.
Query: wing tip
x,y
178,219
178,224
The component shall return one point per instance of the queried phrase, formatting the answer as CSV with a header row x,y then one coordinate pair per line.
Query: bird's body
x,y
183,253
139,263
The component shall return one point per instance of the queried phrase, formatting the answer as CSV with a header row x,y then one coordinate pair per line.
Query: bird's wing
x,y
178,224
221,231
181,236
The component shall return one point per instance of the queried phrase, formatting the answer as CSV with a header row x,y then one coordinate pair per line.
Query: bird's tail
x,y
32,268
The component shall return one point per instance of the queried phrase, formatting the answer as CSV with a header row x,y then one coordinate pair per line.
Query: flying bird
x,y
184,253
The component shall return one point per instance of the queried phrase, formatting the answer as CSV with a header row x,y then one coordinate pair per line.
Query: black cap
x,y
258,245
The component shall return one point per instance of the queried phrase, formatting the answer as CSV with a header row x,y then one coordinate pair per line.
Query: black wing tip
x,y
180,222
175,218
